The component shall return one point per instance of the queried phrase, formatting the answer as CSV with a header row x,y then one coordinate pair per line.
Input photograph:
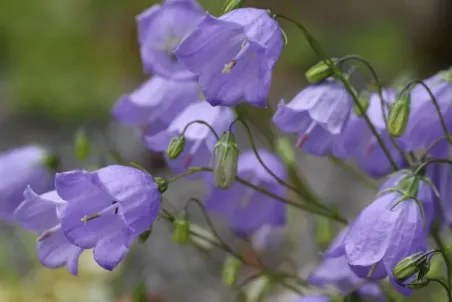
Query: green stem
x,y
327,59
203,123
442,247
446,288
305,207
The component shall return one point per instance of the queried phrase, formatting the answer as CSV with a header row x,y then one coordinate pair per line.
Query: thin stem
x,y
327,59
205,124
432,161
305,207
443,249
435,103
433,145
446,288
354,172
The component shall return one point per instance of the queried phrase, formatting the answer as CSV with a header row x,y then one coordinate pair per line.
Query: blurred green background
x,y
64,63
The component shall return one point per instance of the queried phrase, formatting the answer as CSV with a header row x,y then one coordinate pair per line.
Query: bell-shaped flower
x,y
160,30
107,209
424,124
19,168
319,114
359,143
199,140
233,56
42,214
156,103
245,209
391,228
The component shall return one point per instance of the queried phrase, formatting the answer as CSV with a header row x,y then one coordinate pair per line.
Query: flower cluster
x,y
200,66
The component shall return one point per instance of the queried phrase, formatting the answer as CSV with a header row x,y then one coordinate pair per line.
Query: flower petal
x,y
112,249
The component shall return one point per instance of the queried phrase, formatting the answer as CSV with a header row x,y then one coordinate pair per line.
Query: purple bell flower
x,y
359,143
386,232
199,140
319,114
107,209
233,56
318,298
42,214
245,209
160,30
156,103
19,168
424,125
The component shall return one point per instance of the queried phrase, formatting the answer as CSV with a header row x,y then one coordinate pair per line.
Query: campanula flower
x,y
107,209
19,168
160,30
388,230
424,124
441,176
319,114
233,56
156,103
359,143
199,140
245,209
42,214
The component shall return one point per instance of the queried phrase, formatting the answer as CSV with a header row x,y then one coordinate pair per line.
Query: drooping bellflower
x,y
424,125
245,209
233,56
160,30
107,209
156,103
359,143
388,230
199,140
319,114
19,168
42,214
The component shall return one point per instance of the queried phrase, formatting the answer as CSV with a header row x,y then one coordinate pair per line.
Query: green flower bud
x,y
363,100
399,114
176,147
162,183
181,230
230,5
409,266
231,270
319,72
226,157
81,145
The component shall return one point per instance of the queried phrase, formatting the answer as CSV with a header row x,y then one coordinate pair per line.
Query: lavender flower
x,y
441,176
160,30
42,214
156,103
387,231
233,56
359,143
107,209
199,140
424,125
319,114
245,209
19,168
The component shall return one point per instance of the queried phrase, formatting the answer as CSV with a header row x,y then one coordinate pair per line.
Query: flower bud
x,y
410,266
231,270
230,5
319,72
226,157
162,183
176,147
399,114
363,100
181,230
